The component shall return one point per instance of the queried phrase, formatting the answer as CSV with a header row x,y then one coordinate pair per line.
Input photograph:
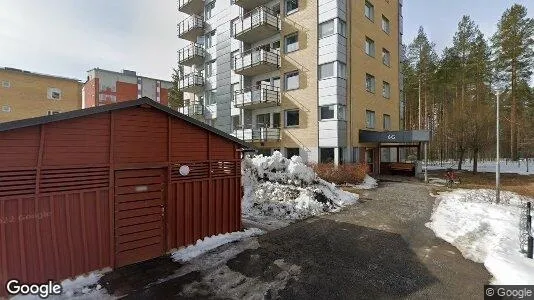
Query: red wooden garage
x,y
110,186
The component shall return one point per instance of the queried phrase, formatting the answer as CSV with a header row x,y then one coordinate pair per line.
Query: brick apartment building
x,y
25,94
105,87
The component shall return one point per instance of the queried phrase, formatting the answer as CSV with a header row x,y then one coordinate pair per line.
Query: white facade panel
x,y
332,133
332,91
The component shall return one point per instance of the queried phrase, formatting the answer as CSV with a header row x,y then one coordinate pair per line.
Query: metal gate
x,y
139,215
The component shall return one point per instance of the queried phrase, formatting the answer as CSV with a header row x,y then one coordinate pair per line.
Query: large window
x,y
326,70
209,39
370,119
369,11
233,57
209,69
326,28
292,42
386,57
291,81
211,97
386,89
263,120
370,83
234,88
328,112
290,152
387,122
291,6
236,123
209,10
292,118
276,120
385,24
369,47
341,70
327,155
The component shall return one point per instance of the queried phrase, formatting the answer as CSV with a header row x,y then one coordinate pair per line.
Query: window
x,y
209,69
386,57
209,10
327,112
236,122
341,70
233,26
276,82
233,57
291,80
54,94
234,88
292,118
291,6
276,120
6,84
6,108
370,119
370,83
292,42
209,39
326,70
385,24
290,152
327,155
369,11
211,97
276,9
276,45
53,112
386,89
369,47
342,27
326,28
387,122
263,120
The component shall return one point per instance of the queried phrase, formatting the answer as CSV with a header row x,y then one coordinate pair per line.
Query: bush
x,y
347,173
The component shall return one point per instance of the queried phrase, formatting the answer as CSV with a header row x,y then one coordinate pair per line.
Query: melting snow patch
x,y
369,183
286,189
485,232
210,243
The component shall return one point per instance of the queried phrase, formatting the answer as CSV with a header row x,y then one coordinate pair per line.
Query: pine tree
x,y
513,45
176,97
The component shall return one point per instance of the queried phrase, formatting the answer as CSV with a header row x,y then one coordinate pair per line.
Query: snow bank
x,y
210,243
281,188
485,232
368,183
512,167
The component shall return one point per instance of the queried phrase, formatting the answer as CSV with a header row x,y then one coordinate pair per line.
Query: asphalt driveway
x,y
377,249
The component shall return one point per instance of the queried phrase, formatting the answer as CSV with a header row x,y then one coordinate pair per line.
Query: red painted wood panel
x,y
56,236
221,148
188,142
19,147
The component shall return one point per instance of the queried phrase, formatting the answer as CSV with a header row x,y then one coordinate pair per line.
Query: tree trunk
x,y
475,160
513,117
461,159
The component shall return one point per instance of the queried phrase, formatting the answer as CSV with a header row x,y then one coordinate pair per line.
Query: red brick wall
x,y
90,92
126,91
164,96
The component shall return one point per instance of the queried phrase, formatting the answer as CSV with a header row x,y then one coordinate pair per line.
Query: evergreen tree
x,y
176,97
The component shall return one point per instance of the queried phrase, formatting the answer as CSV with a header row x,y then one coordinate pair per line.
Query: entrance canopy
x,y
410,136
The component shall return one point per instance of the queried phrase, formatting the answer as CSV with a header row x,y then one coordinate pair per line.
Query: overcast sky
x,y
69,37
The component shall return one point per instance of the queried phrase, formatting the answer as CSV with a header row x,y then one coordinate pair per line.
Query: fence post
x,y
530,243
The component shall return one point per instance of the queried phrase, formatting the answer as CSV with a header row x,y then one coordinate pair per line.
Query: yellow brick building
x,y
25,94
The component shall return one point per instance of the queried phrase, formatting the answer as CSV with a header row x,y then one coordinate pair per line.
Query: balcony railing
x,y
191,83
255,62
257,134
191,28
191,7
191,55
250,4
192,110
256,25
257,97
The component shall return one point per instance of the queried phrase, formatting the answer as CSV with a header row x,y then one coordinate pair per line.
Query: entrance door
x,y
370,159
139,215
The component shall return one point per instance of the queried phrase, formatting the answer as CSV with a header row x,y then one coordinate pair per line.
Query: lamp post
x,y
498,165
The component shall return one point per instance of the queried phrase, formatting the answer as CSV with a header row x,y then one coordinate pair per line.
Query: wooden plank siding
x,y
58,192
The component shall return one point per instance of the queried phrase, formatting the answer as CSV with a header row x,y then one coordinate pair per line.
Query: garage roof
x,y
117,106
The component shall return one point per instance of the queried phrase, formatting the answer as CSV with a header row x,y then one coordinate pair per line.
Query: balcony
x,y
250,4
191,83
191,28
257,97
192,110
256,62
257,134
191,7
191,55
256,25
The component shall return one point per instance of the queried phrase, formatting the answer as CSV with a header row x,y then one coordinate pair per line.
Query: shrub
x,y
347,173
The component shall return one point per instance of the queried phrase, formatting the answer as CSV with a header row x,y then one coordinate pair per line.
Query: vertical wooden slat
x,y
21,241
69,232
111,196
205,208
99,230
232,201
83,220
54,238
225,200
3,241
37,186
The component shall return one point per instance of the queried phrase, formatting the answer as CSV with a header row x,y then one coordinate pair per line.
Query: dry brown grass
x,y
346,173
521,184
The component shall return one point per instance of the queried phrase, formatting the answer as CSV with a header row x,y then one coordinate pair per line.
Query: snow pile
x,y
281,188
210,243
485,232
368,183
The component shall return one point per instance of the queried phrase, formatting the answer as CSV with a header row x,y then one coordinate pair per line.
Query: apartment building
x,y
25,94
104,87
302,77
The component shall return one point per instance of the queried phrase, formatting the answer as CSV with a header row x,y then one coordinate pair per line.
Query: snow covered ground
x,y
488,166
278,191
485,232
